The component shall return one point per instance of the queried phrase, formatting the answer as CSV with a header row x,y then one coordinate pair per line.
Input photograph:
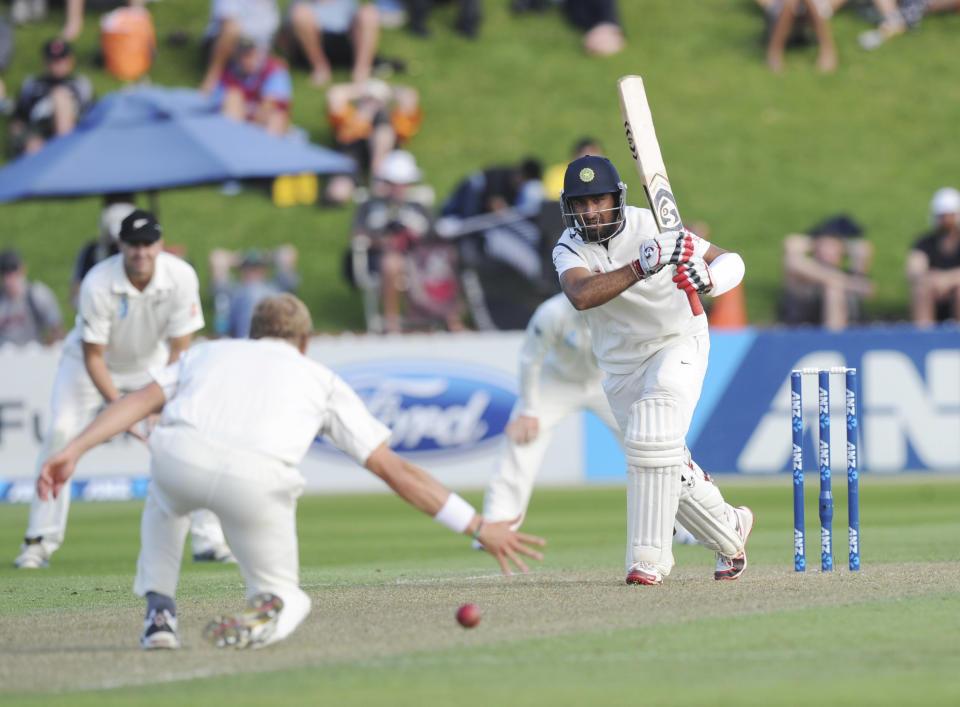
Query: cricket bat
x,y
643,144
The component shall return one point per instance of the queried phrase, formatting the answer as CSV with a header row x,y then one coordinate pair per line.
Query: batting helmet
x,y
590,176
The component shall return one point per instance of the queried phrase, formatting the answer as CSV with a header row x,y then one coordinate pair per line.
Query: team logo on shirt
x,y
124,307
587,175
434,406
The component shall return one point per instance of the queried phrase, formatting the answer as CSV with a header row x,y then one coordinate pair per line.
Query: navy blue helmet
x,y
590,176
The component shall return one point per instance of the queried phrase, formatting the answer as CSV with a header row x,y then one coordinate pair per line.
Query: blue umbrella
x,y
151,138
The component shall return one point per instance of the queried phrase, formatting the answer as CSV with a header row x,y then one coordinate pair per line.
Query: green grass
x,y
754,154
880,648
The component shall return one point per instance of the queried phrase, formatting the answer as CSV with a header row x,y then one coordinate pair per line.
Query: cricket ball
x,y
469,615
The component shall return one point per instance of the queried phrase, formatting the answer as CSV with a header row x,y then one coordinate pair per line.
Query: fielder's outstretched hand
x,y
56,471
506,544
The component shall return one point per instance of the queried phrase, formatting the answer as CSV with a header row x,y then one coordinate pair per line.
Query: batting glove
x,y
694,276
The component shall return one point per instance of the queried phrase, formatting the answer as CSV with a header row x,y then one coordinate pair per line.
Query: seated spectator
x,y
369,119
235,298
256,87
336,33
51,104
394,260
116,207
230,20
600,24
469,15
825,274
933,263
897,16
505,232
28,310
553,175
785,18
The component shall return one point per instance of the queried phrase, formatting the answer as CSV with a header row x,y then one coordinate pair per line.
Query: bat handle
x,y
695,305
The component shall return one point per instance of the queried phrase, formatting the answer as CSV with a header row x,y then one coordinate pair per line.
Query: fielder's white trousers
x,y
508,493
75,401
255,498
675,372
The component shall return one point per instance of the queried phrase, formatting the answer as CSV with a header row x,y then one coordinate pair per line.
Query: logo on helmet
x,y
587,174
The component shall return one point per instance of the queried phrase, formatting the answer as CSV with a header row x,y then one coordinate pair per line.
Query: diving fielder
x,y
131,305
612,264
237,448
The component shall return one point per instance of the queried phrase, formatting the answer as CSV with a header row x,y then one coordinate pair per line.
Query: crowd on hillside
x,y
478,257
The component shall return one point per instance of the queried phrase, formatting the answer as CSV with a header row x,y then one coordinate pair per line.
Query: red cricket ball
x,y
469,615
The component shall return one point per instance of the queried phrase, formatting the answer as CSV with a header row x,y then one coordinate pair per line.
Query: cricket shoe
x,y
221,553
733,567
251,629
645,573
32,555
159,631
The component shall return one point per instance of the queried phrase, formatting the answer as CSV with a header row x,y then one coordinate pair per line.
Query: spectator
x,y
553,176
369,120
393,259
933,263
73,14
235,299
50,105
230,20
6,52
505,232
340,33
28,310
784,17
116,207
897,16
600,24
469,16
256,87
825,274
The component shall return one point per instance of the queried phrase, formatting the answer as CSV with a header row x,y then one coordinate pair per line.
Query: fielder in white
x,y
235,448
559,376
613,266
137,309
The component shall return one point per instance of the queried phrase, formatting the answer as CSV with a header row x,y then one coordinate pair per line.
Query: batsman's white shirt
x,y
642,319
264,396
136,325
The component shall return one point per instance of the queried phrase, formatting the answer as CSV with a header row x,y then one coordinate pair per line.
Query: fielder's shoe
x,y
159,631
251,629
32,555
221,553
645,573
733,567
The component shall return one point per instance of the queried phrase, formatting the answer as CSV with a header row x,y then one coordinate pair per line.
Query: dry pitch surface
x,y
99,648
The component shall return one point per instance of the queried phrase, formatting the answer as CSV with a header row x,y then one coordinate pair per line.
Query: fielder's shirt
x,y
136,325
264,396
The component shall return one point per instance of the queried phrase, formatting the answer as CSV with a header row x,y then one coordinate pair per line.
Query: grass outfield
x,y
754,154
386,582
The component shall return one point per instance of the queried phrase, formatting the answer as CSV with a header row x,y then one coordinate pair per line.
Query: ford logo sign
x,y
433,406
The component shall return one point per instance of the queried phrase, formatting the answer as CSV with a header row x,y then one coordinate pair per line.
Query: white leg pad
x,y
654,448
709,518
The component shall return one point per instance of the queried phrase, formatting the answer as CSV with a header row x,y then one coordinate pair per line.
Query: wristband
x,y
637,270
476,533
456,513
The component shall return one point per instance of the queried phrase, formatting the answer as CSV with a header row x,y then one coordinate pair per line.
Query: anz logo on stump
x,y
433,407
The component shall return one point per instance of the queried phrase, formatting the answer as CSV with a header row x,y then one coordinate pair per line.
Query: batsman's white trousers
x,y
509,491
675,372
74,403
255,498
